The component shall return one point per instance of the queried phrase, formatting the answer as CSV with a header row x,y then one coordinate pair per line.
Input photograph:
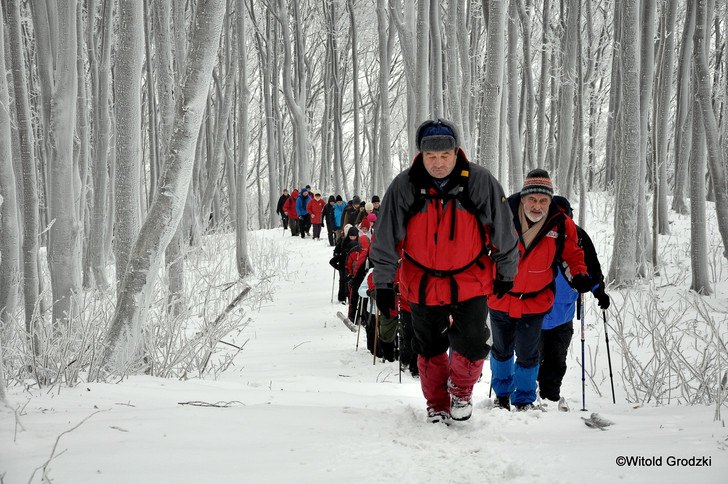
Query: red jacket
x,y
533,287
290,206
315,207
449,248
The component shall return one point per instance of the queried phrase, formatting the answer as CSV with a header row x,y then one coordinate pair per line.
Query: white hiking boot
x,y
435,416
461,408
563,406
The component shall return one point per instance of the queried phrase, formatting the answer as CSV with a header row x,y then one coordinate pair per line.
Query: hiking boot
x,y
563,406
524,407
438,416
503,402
461,408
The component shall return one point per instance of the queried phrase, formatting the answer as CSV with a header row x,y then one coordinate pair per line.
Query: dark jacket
x,y
279,206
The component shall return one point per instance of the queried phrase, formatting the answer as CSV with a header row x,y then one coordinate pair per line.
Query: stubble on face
x,y
439,164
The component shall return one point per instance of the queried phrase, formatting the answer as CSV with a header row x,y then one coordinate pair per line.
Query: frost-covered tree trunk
x,y
715,154
662,114
64,249
294,87
622,268
566,98
100,71
241,213
29,173
454,83
422,76
515,160
493,87
615,98
9,244
530,97
436,94
386,39
128,64
682,133
356,106
543,84
698,239
123,338
405,32
647,74
463,30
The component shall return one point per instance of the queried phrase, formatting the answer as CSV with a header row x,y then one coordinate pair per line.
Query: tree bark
x,y
514,132
241,213
622,268
493,86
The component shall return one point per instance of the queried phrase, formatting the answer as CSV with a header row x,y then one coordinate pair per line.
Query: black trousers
x,y
294,226
316,231
553,348
407,353
304,223
343,286
467,334
284,219
332,235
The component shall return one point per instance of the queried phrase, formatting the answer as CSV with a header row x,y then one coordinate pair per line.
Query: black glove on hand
x,y
582,283
602,297
385,300
501,288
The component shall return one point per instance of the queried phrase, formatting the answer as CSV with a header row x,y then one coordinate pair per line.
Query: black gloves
x,y
582,283
385,300
602,297
501,288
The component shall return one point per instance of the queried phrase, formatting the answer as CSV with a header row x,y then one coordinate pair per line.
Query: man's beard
x,y
534,218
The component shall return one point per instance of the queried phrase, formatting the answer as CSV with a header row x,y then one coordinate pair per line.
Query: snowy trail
x,y
308,408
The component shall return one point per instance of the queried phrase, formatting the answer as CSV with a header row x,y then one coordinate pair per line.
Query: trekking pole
x,y
580,313
376,337
609,357
333,283
399,336
358,329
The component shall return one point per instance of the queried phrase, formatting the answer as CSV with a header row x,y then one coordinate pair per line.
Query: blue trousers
x,y
515,378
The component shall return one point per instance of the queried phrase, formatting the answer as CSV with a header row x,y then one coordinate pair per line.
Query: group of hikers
x,y
447,248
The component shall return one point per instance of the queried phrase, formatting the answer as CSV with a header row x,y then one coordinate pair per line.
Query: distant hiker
x,y
339,207
376,204
281,211
558,324
304,218
329,219
289,207
315,209
450,218
338,262
546,236
368,208
351,212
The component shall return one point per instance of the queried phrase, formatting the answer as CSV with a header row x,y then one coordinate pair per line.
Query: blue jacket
x,y
301,203
339,213
564,307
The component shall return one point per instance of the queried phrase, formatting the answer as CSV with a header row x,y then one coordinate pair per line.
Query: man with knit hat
x,y
447,220
546,238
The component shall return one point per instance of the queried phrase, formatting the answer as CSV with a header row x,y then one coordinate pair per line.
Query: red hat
x,y
365,224
372,217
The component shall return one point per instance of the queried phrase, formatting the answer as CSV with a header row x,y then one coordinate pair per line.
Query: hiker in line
x,y
290,208
281,211
315,209
545,237
451,220
304,218
558,324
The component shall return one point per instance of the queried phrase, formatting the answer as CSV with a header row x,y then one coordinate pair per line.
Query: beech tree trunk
x,y
493,87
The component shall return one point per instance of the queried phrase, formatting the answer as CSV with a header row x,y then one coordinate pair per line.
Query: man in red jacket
x,y
546,237
455,231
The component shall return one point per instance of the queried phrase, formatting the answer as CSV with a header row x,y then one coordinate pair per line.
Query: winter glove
x,y
602,297
501,288
385,300
582,283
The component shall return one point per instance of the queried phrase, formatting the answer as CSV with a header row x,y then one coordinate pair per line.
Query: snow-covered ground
x,y
301,405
